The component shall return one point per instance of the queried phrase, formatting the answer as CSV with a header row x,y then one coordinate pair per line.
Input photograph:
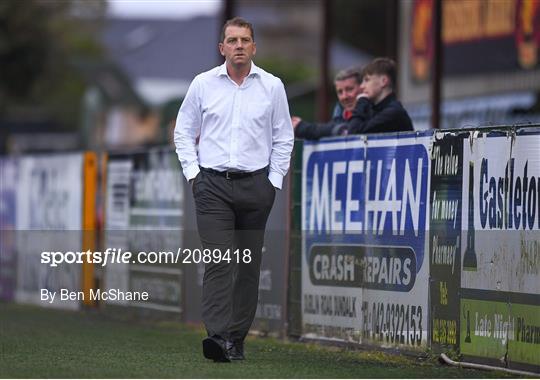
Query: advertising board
x,y
364,267
500,281
48,218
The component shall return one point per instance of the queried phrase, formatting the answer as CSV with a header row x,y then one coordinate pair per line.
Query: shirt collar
x,y
254,70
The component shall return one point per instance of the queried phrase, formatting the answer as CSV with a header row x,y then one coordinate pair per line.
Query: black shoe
x,y
235,349
215,348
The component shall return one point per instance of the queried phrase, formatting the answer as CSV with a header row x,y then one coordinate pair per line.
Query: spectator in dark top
x,y
347,83
377,109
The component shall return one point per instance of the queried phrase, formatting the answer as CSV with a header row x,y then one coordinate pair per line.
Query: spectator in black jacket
x,y
377,109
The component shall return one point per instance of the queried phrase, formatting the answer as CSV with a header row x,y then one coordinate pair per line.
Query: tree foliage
x,y
39,40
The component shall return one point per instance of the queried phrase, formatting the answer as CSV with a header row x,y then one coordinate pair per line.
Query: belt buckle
x,y
227,175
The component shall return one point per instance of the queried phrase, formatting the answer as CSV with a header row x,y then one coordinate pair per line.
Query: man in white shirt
x,y
241,116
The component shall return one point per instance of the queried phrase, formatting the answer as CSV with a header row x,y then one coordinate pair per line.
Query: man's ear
x,y
254,48
385,81
220,46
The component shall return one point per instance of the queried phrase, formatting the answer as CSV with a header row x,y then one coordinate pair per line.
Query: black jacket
x,y
386,116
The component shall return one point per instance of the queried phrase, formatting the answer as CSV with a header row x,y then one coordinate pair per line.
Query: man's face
x,y
373,86
347,90
238,47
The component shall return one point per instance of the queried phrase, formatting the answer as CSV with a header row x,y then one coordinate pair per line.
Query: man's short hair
x,y
382,66
351,72
240,22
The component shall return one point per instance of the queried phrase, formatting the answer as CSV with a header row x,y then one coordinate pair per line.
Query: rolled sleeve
x,y
191,171
282,138
188,126
276,179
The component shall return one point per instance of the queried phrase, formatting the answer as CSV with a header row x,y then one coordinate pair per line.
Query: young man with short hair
x,y
377,109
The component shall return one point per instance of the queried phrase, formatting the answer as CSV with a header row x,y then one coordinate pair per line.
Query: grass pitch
x,y
37,342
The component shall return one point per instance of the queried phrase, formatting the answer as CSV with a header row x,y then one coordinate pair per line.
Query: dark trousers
x,y
232,215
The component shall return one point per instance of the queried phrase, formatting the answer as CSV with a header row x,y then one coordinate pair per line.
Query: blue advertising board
x,y
365,204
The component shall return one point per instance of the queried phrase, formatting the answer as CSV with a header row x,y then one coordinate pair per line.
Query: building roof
x,y
163,48
162,56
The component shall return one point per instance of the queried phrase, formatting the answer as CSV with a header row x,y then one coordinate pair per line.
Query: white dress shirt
x,y
242,127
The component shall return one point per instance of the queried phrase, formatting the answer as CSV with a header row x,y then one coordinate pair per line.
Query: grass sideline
x,y
44,343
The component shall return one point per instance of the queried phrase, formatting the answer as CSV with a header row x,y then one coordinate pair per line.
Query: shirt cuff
x,y
191,171
276,179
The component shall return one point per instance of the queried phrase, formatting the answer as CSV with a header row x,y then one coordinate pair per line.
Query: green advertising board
x,y
503,331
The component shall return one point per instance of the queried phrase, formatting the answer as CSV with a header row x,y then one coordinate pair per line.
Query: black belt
x,y
233,174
